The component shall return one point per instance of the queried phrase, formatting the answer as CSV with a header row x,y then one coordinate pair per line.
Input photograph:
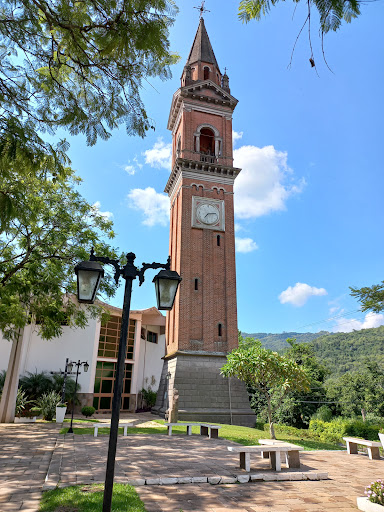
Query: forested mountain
x,y
278,342
346,351
340,352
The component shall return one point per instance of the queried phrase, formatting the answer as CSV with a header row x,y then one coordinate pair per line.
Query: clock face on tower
x,y
207,213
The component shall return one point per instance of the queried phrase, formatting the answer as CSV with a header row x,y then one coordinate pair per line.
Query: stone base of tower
x,y
204,395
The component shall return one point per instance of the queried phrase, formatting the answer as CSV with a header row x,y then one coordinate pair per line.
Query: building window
x,y
220,329
207,141
110,337
196,284
218,240
104,386
152,336
206,72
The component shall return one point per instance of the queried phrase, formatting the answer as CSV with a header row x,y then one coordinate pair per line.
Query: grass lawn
x,y
242,435
89,498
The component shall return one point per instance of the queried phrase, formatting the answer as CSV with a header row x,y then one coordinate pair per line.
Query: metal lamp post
x,y
69,369
89,274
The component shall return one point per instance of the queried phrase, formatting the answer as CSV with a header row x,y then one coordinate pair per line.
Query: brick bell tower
x,y
202,327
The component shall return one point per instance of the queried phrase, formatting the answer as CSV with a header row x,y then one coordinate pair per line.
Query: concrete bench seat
x,y
372,446
274,453
292,458
206,429
96,427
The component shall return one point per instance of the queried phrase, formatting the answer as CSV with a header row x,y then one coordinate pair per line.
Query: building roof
x,y
202,49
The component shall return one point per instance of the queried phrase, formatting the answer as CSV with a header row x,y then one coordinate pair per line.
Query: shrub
x,y
87,411
149,397
36,384
323,413
2,380
375,492
47,403
260,425
21,402
336,429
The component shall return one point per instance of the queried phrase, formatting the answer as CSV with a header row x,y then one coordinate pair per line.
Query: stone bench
x,y
274,453
206,429
96,427
292,457
372,446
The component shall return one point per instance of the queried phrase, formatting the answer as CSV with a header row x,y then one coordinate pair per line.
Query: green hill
x,y
346,351
341,352
278,342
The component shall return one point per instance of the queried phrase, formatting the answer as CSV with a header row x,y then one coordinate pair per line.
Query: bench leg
x,y
275,461
293,459
214,433
265,455
189,430
245,461
169,430
96,429
373,452
204,431
351,447
125,430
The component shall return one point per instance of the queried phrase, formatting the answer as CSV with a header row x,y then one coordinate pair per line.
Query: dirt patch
x,y
91,489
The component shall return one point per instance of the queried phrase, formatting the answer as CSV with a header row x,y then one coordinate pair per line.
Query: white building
x,y
98,345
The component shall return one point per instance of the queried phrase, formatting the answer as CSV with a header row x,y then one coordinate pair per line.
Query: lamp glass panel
x,y
166,292
88,283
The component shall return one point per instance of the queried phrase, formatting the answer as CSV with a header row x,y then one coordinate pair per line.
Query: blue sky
x,y
308,202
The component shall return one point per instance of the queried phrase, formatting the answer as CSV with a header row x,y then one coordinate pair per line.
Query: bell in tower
x,y
202,327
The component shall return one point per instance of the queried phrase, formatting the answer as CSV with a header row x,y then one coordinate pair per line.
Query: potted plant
x,y
61,409
374,500
47,404
381,436
23,413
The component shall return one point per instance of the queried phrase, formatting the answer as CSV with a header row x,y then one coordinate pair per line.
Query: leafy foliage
x,y
3,375
87,411
80,65
47,404
371,298
278,342
21,402
332,12
271,374
53,230
149,397
37,384
342,352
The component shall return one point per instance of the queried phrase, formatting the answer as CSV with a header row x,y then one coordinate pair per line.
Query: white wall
x,y
42,355
149,362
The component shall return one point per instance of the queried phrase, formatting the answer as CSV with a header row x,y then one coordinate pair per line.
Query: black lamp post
x,y
69,368
89,274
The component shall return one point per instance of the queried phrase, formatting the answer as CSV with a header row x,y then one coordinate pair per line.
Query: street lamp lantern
x,y
69,367
89,274
86,366
166,285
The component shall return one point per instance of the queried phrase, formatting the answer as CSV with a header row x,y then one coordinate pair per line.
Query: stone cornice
x,y
202,170
195,91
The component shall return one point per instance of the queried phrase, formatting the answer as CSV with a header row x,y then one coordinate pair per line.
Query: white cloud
x,y
107,215
130,169
160,155
265,182
349,325
299,294
154,206
236,136
245,244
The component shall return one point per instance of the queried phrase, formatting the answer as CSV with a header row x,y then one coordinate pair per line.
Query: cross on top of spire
x,y
202,9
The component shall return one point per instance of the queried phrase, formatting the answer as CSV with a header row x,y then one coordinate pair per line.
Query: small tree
x,y
272,374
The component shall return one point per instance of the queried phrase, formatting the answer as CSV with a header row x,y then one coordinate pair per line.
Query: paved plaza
x,y
35,456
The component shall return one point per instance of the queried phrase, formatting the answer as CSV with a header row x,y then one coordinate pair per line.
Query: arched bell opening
x,y
207,142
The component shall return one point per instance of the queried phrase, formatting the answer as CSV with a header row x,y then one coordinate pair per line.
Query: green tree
x,y
371,297
300,406
54,229
331,13
273,375
78,66
359,392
